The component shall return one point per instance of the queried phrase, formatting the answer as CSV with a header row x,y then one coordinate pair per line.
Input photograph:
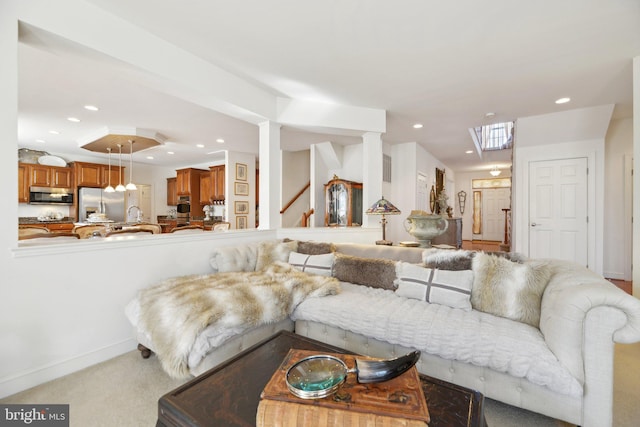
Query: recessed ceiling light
x,y
200,145
170,152
41,140
150,157
489,114
562,100
220,141
73,119
468,152
91,107
417,126
54,132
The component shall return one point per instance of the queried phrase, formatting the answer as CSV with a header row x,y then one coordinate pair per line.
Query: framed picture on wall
x,y
241,207
241,222
241,172
241,188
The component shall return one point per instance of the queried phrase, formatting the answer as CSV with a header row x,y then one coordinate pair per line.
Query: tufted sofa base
x,y
495,385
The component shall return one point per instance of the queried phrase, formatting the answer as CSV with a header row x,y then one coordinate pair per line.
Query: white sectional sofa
x,y
536,334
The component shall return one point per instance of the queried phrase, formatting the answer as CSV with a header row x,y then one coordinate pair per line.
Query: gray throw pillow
x,y
315,248
373,272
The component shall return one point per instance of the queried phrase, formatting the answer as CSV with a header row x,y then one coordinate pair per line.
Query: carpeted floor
x,y
124,392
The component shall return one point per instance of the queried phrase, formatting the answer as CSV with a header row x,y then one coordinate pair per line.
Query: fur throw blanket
x,y
175,311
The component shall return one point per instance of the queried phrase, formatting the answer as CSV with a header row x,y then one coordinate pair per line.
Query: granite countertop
x,y
25,220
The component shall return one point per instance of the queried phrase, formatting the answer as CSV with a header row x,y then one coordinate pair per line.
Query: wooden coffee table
x,y
228,395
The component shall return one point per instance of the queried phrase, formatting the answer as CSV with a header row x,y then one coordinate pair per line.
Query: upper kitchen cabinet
x,y
172,196
97,175
49,176
188,182
205,188
36,175
23,183
216,174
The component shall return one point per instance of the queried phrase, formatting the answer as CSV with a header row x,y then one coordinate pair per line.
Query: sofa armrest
x,y
574,292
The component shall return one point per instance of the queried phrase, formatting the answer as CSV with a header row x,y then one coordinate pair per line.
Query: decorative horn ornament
x,y
321,375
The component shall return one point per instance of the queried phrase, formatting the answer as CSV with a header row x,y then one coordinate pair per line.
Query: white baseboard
x,y
28,379
614,275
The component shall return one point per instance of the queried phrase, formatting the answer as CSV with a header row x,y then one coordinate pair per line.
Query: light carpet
x,y
124,392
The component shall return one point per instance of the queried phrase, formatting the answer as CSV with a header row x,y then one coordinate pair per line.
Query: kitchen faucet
x,y
138,216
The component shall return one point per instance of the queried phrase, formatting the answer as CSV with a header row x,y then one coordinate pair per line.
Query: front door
x,y
558,210
493,201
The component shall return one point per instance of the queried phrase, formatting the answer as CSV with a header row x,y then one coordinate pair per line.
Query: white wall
x,y
408,159
617,200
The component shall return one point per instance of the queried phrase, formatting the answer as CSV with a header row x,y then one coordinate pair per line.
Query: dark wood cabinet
x,y
218,189
36,175
23,183
343,203
39,176
453,235
188,182
97,175
61,177
205,188
172,196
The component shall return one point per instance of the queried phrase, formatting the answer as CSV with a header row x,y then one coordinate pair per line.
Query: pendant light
x,y
131,185
495,171
120,187
109,188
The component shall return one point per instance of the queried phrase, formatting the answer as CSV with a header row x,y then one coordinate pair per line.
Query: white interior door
x,y
493,201
558,209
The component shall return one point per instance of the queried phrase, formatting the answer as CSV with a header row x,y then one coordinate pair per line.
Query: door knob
x,y
533,224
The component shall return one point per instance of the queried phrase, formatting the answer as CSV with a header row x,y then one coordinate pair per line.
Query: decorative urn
x,y
425,226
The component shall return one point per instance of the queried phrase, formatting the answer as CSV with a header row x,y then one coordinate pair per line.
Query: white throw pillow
x,y
234,258
446,287
274,250
315,264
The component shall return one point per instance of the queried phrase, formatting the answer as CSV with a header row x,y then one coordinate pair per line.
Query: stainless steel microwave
x,y
50,196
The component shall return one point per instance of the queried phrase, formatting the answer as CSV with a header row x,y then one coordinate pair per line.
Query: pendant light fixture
x,y
120,187
131,185
495,171
109,188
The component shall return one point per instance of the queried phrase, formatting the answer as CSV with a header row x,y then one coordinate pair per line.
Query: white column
x,y
371,175
270,176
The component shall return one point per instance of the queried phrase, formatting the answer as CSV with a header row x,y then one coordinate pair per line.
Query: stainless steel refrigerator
x,y
92,200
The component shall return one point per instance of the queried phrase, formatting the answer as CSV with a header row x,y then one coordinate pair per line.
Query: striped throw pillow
x,y
314,264
446,287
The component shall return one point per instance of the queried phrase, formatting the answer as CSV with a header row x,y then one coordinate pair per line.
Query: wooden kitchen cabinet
x,y
61,177
23,183
39,176
97,175
60,227
216,174
35,175
172,196
205,188
188,182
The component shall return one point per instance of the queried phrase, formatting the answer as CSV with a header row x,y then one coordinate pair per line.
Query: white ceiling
x,y
442,64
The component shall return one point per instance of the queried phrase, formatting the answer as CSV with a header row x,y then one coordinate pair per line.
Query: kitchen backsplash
x,y
27,210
